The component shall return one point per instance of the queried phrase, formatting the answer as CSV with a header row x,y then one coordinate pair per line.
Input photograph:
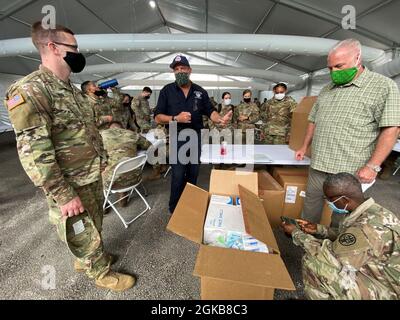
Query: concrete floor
x,y
163,262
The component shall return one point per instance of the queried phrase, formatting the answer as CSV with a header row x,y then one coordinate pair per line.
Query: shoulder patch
x,y
15,101
347,239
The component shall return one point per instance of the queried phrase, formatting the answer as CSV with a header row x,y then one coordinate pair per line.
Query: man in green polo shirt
x,y
353,125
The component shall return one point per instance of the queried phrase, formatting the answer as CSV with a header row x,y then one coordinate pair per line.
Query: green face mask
x,y
341,77
182,78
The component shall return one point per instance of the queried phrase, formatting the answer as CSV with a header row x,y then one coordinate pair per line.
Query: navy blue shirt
x,y
172,102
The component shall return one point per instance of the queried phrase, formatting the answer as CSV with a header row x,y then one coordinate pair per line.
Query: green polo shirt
x,y
348,120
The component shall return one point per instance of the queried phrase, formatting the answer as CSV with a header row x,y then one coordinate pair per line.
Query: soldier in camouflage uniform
x,y
140,106
223,108
119,143
246,114
129,118
62,152
122,144
276,115
360,259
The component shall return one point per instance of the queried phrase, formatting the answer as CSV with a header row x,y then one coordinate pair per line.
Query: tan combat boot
x,y
78,267
116,281
124,202
156,174
164,168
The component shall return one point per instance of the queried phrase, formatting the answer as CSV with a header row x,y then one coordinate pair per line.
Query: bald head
x,y
345,54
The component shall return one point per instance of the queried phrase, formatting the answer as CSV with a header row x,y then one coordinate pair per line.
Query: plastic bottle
x,y
108,84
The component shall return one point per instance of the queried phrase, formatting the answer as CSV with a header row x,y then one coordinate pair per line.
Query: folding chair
x,y
126,166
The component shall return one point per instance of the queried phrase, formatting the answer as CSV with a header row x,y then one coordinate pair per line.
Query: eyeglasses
x,y
74,46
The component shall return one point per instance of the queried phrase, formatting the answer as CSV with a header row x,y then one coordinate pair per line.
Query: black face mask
x,y
76,61
247,100
126,104
100,93
147,97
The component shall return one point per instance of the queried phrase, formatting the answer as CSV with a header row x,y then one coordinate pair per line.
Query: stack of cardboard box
x,y
284,192
229,273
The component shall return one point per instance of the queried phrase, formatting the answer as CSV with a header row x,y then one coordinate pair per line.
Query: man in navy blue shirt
x,y
181,105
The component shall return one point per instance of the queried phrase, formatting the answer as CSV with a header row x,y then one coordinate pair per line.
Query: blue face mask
x,y
336,209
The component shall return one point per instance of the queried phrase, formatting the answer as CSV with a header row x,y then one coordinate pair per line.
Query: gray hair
x,y
344,184
351,44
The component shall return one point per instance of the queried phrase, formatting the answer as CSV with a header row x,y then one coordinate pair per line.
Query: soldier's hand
x,y
108,118
184,117
225,119
307,226
288,228
299,155
72,208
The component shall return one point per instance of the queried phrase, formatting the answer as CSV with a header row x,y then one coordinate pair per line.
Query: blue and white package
x,y
224,227
238,201
221,199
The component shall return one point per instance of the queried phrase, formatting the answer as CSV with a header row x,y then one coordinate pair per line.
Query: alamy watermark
x,y
349,20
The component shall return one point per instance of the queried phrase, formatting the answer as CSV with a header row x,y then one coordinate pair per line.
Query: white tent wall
x,y
5,81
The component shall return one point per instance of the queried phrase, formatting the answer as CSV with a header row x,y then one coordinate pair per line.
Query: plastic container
x,y
224,148
108,84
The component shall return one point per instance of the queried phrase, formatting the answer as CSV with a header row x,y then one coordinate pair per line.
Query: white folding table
x,y
250,154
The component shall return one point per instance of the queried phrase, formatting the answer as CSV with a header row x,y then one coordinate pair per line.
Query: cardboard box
x,y
289,171
295,192
273,195
300,122
229,273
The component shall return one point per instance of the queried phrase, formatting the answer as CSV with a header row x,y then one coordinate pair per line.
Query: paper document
x,y
366,186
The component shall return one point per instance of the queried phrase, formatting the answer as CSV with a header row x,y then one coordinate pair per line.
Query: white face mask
x,y
227,102
279,96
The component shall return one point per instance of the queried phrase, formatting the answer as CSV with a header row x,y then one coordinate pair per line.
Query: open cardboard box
x,y
289,171
300,122
273,196
231,274
294,187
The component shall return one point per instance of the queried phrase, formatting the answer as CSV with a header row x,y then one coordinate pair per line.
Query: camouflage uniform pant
x,y
82,233
323,282
269,139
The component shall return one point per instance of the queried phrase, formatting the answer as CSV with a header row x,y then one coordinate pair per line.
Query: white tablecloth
x,y
250,154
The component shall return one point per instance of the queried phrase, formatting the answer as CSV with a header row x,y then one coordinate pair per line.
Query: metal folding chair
x,y
126,166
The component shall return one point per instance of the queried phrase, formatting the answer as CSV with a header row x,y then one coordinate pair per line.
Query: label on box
x,y
302,194
221,199
291,193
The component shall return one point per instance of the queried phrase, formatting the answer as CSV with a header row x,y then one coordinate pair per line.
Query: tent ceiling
x,y
377,26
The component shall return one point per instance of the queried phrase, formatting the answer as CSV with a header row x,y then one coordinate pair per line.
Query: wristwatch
x,y
376,168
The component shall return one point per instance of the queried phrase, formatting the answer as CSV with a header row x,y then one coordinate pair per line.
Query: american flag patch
x,y
15,101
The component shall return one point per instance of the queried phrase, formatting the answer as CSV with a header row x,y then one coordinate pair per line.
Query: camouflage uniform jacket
x,y
58,143
249,110
117,108
363,262
141,108
101,110
277,116
223,111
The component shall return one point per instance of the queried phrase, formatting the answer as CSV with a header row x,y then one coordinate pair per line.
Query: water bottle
x,y
224,148
108,84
